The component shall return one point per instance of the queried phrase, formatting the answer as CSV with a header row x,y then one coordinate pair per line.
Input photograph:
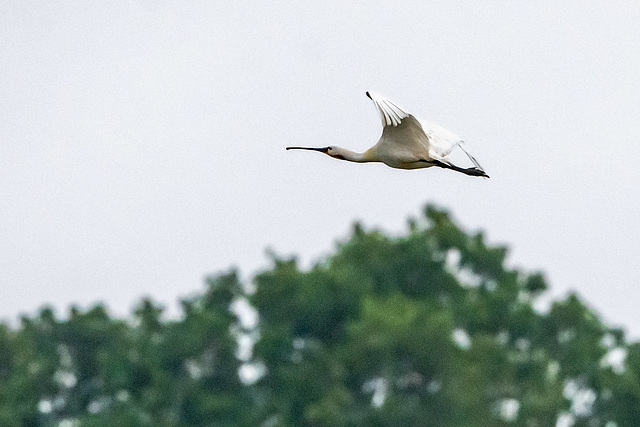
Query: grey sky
x,y
142,143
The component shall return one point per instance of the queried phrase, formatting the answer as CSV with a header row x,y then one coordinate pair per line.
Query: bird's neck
x,y
352,156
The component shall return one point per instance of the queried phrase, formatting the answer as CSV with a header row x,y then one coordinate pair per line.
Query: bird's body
x,y
406,143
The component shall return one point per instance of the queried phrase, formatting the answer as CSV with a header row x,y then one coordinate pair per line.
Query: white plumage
x,y
406,142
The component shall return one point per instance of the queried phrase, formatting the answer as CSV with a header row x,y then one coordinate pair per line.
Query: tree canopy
x,y
431,328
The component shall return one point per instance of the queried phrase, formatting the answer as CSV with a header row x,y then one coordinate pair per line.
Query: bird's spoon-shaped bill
x,y
321,149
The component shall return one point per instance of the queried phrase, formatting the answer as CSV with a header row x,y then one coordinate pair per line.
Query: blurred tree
x,y
432,329
427,329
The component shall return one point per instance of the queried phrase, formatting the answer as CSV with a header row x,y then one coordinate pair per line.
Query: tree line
x,y
430,328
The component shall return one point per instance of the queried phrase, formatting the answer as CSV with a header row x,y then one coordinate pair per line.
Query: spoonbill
x,y
406,143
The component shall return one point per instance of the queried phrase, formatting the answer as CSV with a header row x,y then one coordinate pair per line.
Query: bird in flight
x,y
406,143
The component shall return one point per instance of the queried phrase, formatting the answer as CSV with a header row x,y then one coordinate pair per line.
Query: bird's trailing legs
x,y
467,171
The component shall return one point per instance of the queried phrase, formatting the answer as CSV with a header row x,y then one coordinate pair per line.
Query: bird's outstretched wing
x,y
390,113
403,140
406,139
443,141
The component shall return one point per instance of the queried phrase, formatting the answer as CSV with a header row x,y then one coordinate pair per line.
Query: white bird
x,y
406,143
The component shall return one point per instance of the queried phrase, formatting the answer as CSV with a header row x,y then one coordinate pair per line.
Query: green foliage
x,y
431,328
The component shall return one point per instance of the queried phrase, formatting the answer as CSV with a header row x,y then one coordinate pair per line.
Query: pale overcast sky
x,y
142,143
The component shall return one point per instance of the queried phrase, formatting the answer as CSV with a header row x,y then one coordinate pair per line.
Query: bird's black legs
x,y
467,171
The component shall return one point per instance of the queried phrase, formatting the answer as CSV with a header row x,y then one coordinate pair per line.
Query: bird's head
x,y
335,152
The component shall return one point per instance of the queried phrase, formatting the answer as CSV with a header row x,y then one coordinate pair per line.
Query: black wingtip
x,y
368,95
